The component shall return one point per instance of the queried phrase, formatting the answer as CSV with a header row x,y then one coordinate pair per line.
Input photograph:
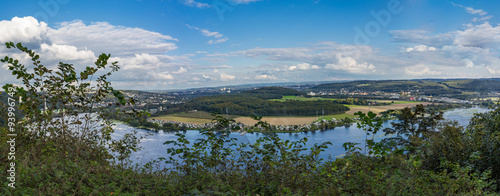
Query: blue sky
x,y
174,44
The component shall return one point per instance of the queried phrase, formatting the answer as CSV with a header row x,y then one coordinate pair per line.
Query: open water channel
x,y
153,147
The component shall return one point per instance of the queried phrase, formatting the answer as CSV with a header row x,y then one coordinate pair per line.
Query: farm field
x,y
197,117
298,98
336,116
200,117
378,109
488,98
285,120
395,101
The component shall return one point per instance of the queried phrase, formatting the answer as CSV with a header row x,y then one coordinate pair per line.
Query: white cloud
x,y
265,77
470,10
349,64
303,66
102,37
422,37
165,76
474,11
181,70
208,33
481,18
243,1
26,30
420,70
207,77
483,35
215,67
139,61
193,3
420,48
217,41
66,53
493,71
468,63
226,77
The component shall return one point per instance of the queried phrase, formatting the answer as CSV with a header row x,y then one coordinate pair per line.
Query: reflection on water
x,y
153,147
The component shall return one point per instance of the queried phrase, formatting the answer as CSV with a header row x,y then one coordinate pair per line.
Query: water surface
x,y
154,148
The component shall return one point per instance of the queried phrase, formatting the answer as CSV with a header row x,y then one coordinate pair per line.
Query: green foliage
x,y
413,127
371,125
64,154
60,135
257,102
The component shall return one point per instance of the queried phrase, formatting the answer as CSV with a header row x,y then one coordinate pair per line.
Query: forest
x,y
257,102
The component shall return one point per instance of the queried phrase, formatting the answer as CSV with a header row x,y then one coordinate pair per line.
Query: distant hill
x,y
479,85
257,102
271,92
427,86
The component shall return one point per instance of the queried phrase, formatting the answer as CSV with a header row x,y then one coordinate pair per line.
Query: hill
x,y
426,87
258,101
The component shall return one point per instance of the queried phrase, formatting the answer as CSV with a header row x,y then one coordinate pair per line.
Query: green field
x,y
298,98
336,116
198,117
403,102
395,101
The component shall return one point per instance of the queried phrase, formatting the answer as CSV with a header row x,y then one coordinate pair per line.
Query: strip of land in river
x,y
200,117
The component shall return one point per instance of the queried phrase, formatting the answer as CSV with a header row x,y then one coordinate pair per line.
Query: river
x,y
154,148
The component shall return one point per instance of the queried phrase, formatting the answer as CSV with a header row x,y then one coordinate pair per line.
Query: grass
x,y
183,119
395,101
404,102
488,98
336,116
198,117
278,120
469,93
297,98
378,109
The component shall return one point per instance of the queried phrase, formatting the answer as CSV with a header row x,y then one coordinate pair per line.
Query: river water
x,y
153,146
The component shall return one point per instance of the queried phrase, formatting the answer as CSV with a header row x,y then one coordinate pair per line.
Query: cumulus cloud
x,y
265,77
66,53
349,64
107,38
493,71
181,70
144,61
26,30
165,76
303,66
483,35
420,48
468,63
226,77
420,70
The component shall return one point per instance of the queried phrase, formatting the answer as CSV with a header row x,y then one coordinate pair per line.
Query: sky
x,y
180,44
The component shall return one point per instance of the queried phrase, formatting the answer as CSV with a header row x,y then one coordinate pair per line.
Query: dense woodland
x,y
424,156
258,102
